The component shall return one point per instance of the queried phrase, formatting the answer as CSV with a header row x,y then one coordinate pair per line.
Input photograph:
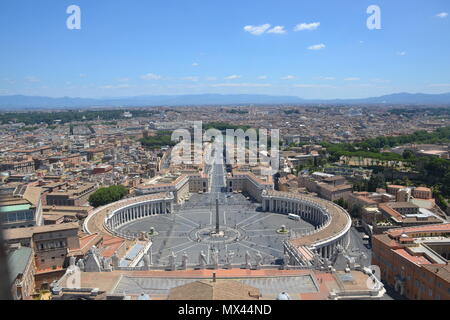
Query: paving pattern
x,y
246,228
187,231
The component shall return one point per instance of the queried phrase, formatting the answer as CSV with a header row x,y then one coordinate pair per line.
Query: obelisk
x,y
217,216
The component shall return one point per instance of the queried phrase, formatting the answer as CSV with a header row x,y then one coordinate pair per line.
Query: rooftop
x,y
22,233
17,261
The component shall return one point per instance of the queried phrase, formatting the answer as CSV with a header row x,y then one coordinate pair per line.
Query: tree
x,y
376,182
355,211
104,196
408,154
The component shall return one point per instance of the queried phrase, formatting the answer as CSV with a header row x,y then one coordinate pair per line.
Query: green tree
x,y
375,182
408,154
107,195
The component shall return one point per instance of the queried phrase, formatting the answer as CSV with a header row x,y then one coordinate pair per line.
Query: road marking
x,y
195,244
181,222
265,253
179,245
193,222
265,217
253,215
258,245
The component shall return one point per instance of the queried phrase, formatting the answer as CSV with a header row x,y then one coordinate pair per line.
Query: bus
x,y
294,217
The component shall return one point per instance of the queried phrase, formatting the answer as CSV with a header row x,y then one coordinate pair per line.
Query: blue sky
x,y
152,47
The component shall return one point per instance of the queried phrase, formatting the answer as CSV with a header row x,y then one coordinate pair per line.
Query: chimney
x,y
214,277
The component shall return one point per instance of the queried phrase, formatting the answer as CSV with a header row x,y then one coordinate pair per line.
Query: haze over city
x,y
313,50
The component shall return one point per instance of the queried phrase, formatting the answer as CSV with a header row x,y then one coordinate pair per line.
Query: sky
x,y
319,49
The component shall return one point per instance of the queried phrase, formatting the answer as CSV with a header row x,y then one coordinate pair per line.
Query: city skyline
x,y
314,51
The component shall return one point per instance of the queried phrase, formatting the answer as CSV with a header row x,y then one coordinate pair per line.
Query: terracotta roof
x,y
395,233
414,259
393,213
33,194
441,271
22,233
219,290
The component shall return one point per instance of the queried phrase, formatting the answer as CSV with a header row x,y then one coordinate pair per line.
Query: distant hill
x,y
401,98
20,102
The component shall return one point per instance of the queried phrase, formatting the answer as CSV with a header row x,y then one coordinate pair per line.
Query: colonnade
x,y
136,211
314,213
326,250
307,210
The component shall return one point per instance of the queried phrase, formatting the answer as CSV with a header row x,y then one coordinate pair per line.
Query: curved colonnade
x,y
109,218
332,223
141,207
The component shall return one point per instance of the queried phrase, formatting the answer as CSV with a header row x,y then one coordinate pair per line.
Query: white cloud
x,y
233,77
307,26
352,79
442,15
317,47
123,79
262,77
257,30
312,86
326,78
32,79
83,75
195,64
277,30
190,79
288,77
401,53
252,85
439,85
151,76
377,80
118,86
9,81
211,78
